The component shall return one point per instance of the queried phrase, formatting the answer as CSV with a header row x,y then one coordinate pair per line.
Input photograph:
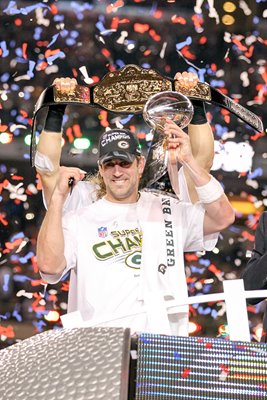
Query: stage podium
x,y
91,363
106,363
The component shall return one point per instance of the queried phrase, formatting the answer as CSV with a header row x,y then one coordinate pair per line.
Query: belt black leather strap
x,y
126,91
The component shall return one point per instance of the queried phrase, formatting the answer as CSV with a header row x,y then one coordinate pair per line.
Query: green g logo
x,y
133,260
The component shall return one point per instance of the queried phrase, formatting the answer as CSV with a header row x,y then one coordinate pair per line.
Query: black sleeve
x,y
255,273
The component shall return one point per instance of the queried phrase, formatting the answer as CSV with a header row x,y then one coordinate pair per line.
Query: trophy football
x,y
159,108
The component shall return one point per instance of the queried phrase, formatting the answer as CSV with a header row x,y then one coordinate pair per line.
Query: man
x,y
125,251
47,161
255,273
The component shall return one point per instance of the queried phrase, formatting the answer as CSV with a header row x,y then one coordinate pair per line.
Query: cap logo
x,y
123,145
110,137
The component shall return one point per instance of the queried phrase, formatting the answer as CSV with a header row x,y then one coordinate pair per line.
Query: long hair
x,y
97,181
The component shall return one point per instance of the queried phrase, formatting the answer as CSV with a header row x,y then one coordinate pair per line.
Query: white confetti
x,y
84,72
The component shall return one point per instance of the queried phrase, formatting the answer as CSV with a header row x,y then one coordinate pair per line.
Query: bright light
x,y
193,327
81,143
6,137
231,156
52,316
229,6
27,140
258,330
29,216
228,19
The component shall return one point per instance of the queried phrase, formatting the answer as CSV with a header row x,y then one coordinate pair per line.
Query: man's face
x,y
122,179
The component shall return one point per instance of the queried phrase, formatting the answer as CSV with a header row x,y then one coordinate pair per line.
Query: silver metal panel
x,y
69,364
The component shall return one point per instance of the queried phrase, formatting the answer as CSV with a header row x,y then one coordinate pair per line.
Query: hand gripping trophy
x,y
160,107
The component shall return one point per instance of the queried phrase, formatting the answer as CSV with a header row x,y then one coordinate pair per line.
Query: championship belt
x,y
126,91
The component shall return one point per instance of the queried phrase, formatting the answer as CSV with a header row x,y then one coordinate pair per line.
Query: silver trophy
x,y
159,108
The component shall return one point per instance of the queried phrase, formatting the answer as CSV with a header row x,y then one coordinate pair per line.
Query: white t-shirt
x,y
103,253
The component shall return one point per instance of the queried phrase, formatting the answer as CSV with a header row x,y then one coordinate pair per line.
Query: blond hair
x,y
98,182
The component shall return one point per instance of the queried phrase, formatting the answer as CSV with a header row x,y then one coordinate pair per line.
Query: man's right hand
x,y
67,177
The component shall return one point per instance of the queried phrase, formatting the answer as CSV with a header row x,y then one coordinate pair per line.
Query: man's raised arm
x,y
47,158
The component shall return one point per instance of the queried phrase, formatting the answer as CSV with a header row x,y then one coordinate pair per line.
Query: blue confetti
x,y
54,39
177,356
5,51
257,172
59,54
6,282
187,42
13,10
21,278
17,315
204,262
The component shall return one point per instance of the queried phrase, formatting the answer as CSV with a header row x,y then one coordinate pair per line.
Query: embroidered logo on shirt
x,y
102,231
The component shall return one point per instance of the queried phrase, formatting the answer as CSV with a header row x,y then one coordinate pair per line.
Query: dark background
x,y
40,41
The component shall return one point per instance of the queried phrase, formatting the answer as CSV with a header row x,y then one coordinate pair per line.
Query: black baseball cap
x,y
118,143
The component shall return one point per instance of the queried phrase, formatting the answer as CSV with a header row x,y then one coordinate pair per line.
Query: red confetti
x,y
186,373
12,245
3,221
197,20
105,52
158,14
191,257
17,178
35,305
65,286
239,44
141,28
248,236
114,6
18,22
225,368
42,66
24,49
212,268
187,54
116,21
7,331
203,40
147,52
103,118
54,9
178,20
3,128
35,269
257,136
42,43
250,51
154,35
213,67
77,130
69,134
74,72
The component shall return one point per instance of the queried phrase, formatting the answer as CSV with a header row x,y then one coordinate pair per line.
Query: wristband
x,y
209,192
43,162
199,116
54,118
